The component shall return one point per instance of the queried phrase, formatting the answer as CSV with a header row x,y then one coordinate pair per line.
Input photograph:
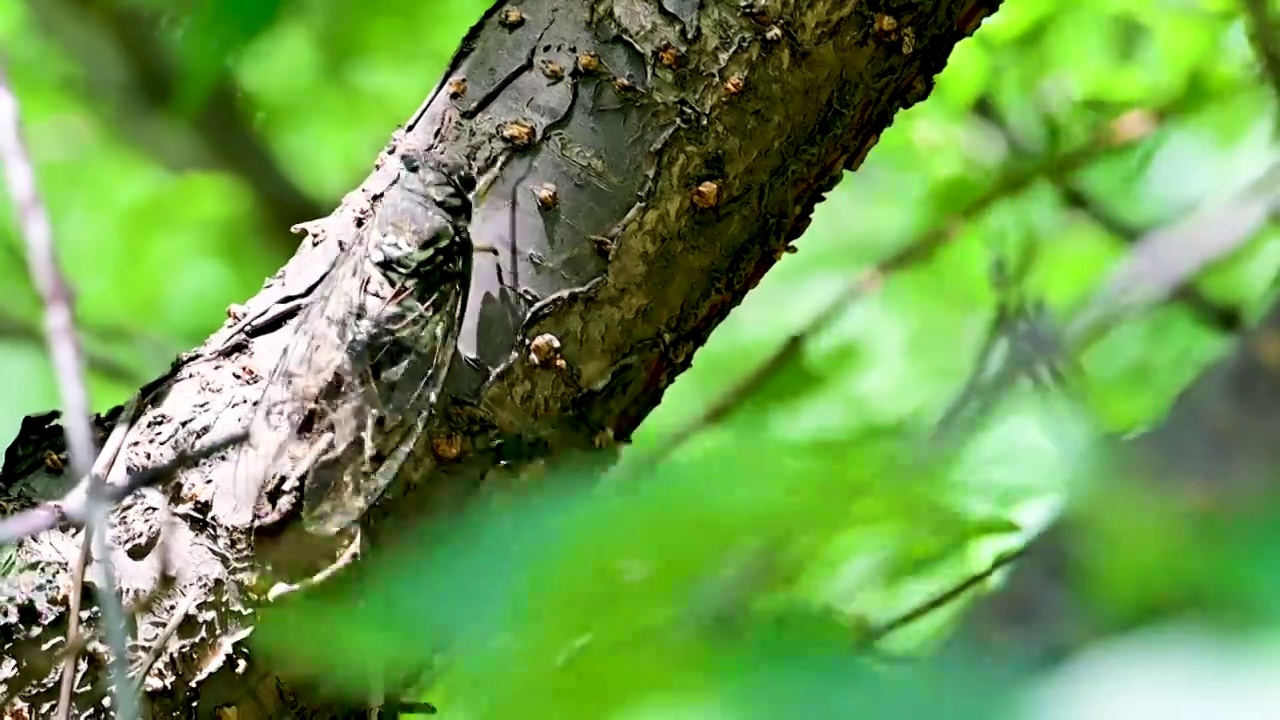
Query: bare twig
x,y
101,466
946,597
1033,348
345,560
73,632
730,401
68,368
1167,258
59,324
100,333
19,328
1160,263
1225,319
157,648
73,508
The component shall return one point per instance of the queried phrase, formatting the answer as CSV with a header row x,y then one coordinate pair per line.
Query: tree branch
x,y
1224,319
676,190
1216,449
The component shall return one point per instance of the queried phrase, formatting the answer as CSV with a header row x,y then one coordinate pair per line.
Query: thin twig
x,y
1225,319
73,508
1160,263
946,597
21,329
157,647
1146,276
730,401
1106,141
347,557
68,367
1167,258
60,331
73,633
101,466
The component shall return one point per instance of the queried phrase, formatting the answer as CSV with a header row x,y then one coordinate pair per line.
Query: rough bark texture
x,y
688,142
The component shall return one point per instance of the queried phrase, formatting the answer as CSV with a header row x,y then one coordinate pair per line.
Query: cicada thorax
x,y
355,388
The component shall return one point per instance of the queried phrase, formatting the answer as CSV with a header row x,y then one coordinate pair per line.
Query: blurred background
x,y
751,569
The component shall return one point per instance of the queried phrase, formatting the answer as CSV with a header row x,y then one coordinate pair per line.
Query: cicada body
x,y
352,394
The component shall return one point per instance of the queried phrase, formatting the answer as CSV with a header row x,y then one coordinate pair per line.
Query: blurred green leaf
x,y
207,37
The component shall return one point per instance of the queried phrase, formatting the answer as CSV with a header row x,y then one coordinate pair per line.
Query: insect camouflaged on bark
x,y
668,56
886,27
351,396
588,63
54,462
447,447
553,70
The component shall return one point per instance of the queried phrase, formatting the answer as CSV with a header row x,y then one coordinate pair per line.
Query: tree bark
x,y
687,142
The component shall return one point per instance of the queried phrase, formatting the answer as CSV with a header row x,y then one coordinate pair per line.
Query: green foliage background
x,y
730,580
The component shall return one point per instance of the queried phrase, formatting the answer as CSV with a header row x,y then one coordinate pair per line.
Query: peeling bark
x,y
667,151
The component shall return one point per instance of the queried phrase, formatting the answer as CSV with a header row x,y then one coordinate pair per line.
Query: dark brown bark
x,y
683,164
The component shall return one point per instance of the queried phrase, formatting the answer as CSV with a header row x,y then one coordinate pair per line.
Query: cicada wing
x,y
311,367
410,361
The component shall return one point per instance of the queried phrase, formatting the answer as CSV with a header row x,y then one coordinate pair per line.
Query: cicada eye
x,y
465,180
458,170
410,162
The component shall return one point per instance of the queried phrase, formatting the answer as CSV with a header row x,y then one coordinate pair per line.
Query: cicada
x,y
351,396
